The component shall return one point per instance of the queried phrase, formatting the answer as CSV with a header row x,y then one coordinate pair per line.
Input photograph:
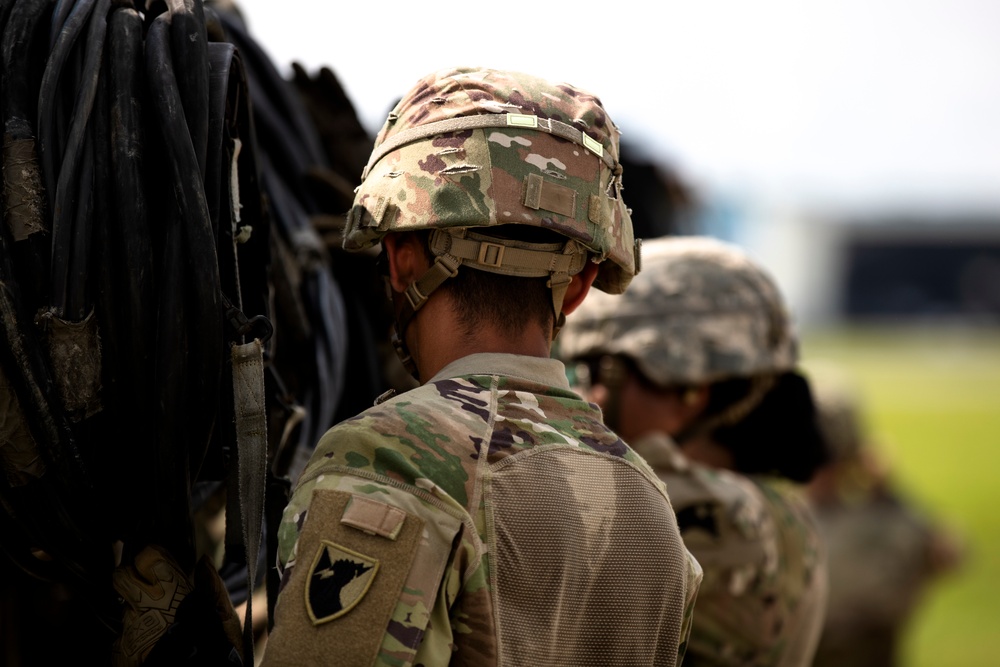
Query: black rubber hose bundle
x,y
126,276
22,57
85,240
54,500
61,162
189,329
139,201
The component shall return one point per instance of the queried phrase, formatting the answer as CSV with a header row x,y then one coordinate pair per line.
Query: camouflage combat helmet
x,y
468,149
701,311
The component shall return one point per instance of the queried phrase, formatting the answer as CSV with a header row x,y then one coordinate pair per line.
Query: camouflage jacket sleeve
x,y
371,562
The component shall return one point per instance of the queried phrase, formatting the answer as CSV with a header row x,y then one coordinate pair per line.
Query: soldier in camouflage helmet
x,y
884,553
694,366
445,525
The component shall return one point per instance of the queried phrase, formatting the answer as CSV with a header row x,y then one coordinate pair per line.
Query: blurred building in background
x,y
871,266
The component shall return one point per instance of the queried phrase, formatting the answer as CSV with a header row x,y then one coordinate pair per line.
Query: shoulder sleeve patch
x,y
342,603
338,579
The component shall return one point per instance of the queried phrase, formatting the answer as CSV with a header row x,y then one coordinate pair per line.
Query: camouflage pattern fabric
x,y
549,159
882,556
802,570
883,552
487,517
761,579
701,310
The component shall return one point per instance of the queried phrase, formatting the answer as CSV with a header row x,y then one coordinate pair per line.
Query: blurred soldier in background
x,y
486,516
695,367
883,554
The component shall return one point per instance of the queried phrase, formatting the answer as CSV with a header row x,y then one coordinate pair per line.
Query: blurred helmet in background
x,y
701,311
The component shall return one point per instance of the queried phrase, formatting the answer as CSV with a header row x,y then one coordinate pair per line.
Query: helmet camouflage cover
x,y
476,148
700,311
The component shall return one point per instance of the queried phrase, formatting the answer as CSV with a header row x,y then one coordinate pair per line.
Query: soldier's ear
x,y
406,258
579,287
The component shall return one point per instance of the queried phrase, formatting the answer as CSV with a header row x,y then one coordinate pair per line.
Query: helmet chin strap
x,y
454,247
415,296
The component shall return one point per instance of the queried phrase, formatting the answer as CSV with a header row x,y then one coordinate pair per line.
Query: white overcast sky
x,y
811,102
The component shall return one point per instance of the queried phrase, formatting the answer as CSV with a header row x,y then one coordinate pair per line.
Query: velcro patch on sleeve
x,y
373,517
337,605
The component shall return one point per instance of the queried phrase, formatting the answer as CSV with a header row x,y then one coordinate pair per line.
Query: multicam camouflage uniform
x,y
488,516
724,521
467,492
702,311
883,552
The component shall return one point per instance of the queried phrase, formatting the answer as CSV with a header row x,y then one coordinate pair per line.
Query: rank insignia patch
x,y
338,579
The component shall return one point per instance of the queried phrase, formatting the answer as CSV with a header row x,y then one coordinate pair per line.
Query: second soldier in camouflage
x,y
695,367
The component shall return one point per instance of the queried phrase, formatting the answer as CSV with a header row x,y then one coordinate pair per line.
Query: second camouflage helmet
x,y
469,148
701,311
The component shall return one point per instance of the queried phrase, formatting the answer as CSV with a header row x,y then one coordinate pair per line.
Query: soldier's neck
x,y
437,336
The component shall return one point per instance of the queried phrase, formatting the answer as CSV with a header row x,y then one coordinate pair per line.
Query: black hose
x,y
77,297
48,91
66,293
217,172
5,7
22,54
189,369
54,503
189,50
60,13
18,53
271,89
172,446
127,277
77,304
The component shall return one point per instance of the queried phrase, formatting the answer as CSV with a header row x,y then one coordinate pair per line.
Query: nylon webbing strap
x,y
514,120
251,442
418,291
510,257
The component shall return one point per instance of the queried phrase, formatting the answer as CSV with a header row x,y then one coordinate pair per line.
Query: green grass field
x,y
932,401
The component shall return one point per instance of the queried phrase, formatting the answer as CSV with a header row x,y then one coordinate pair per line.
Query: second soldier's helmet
x,y
701,311
471,149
